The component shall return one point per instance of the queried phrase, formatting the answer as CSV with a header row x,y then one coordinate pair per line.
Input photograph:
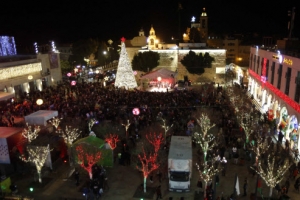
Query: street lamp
x,y
104,53
109,48
39,102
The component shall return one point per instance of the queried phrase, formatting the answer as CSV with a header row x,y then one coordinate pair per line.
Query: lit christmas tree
x,y
125,77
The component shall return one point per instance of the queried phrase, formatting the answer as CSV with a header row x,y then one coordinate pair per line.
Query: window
x,y
258,59
251,57
267,69
297,92
152,41
279,76
273,71
254,62
288,80
203,23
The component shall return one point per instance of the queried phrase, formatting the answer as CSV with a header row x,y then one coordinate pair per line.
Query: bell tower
x,y
152,41
141,32
203,25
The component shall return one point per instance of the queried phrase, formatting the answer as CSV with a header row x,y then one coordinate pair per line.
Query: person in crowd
x,y
158,193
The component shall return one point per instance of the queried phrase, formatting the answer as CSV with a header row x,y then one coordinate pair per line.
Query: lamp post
x,y
109,49
104,53
177,44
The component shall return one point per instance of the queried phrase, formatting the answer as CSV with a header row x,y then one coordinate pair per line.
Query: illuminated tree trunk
x,y
271,192
149,164
145,180
39,172
204,189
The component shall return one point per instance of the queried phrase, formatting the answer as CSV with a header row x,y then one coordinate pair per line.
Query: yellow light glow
x,y
30,77
39,102
156,41
20,70
159,78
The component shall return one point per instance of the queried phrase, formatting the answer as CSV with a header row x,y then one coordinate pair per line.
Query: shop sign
x,y
287,61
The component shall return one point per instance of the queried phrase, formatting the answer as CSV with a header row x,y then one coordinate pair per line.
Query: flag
x,y
237,186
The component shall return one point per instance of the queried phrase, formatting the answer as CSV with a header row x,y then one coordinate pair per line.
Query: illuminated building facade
x,y
19,75
274,84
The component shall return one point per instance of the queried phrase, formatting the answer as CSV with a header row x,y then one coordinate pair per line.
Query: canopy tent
x,y
162,73
10,137
5,96
107,154
40,117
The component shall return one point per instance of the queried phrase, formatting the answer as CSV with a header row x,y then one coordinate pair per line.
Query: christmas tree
x,y
125,77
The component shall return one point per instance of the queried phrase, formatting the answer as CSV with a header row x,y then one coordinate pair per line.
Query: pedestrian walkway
x,y
123,182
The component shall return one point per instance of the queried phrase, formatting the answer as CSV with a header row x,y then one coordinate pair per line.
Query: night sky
x,y
66,21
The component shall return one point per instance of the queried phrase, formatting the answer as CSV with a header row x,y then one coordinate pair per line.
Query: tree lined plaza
x,y
225,128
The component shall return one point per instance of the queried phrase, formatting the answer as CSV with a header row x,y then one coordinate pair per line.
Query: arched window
x,y
152,42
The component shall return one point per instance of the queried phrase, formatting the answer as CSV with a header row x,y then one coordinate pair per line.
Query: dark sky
x,y
66,21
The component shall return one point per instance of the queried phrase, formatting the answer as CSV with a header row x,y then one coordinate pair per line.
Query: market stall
x,y
10,138
6,95
40,117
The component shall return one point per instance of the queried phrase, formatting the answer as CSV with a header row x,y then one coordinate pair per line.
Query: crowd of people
x,y
83,101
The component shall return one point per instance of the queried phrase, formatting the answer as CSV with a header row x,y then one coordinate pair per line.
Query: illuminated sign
x,y
277,57
287,61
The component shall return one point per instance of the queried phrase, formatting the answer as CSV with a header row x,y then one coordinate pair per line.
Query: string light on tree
x,y
260,147
164,125
70,135
126,126
156,140
37,156
207,172
92,122
125,77
87,157
204,139
148,164
272,174
112,140
55,121
246,124
31,132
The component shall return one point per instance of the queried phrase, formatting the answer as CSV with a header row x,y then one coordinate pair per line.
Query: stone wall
x,y
170,59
